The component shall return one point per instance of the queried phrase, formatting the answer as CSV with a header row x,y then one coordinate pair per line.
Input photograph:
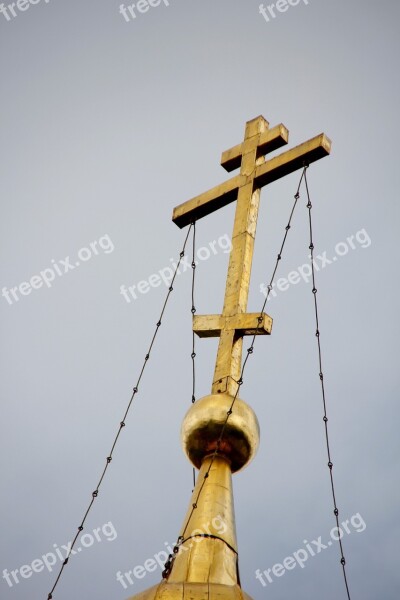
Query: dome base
x,y
194,591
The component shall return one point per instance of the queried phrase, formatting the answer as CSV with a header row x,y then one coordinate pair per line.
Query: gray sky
x,y
106,125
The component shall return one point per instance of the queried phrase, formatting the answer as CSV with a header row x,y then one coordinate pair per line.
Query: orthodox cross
x,y
255,172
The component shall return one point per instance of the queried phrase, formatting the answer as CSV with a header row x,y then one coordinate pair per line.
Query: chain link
x,y
122,424
193,311
321,378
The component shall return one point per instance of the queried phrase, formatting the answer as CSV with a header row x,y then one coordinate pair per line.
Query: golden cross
x,y
255,172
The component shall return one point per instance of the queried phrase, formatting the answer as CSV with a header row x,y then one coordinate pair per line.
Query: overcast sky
x,y
108,121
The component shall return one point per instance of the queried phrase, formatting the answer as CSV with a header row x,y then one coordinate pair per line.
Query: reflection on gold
x,y
202,426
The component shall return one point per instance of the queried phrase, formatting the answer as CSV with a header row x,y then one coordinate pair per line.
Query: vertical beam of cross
x,y
229,357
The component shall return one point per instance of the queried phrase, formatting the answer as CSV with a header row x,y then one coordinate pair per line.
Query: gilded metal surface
x,y
192,591
206,203
227,192
210,560
269,140
244,324
229,357
206,566
255,172
202,426
216,500
293,159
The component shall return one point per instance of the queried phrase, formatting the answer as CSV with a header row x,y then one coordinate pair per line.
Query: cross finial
x,y
255,172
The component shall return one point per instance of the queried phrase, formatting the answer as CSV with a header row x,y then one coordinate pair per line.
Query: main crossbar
x,y
270,171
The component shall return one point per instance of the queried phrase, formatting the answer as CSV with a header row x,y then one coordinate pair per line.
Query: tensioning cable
x,y
122,424
193,312
321,377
